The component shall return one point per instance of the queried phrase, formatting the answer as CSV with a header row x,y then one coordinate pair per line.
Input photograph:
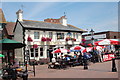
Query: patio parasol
x,y
107,42
60,51
76,48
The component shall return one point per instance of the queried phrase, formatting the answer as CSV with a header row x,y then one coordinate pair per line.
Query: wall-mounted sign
x,y
96,36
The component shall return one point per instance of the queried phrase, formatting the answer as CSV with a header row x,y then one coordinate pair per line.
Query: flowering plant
x,y
29,39
48,39
73,39
43,39
68,38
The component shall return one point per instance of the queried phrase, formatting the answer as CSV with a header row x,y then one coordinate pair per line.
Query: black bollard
x,y
85,64
25,76
113,65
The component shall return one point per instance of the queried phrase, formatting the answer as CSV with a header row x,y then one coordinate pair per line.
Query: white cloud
x,y
38,9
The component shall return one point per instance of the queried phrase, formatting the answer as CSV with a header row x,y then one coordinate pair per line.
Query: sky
x,y
99,16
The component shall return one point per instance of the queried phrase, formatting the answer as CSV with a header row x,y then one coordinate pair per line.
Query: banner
x,y
108,57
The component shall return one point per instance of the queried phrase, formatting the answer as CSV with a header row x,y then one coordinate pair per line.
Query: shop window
x,y
60,35
41,51
36,35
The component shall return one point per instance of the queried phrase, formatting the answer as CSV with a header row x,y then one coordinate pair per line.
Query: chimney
x,y
19,15
63,20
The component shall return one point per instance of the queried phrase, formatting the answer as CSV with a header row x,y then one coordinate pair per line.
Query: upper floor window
x,y
77,35
60,35
36,35
50,35
73,35
69,34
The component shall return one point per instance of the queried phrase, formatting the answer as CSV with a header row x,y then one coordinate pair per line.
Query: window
x,y
36,35
77,35
69,34
60,35
32,52
41,51
73,35
50,35
115,37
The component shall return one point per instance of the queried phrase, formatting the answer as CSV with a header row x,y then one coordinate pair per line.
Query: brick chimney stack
x,y
62,20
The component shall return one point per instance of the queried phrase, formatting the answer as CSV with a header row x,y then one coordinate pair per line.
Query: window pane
x,y
41,53
32,54
41,49
36,54
73,35
31,49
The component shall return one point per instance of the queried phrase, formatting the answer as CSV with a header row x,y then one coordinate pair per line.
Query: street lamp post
x,y
92,38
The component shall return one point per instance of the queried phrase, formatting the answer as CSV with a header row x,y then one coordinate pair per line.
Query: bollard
x,y
113,65
25,76
85,64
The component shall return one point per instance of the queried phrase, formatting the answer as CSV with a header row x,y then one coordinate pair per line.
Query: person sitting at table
x,y
53,60
75,56
67,58
106,52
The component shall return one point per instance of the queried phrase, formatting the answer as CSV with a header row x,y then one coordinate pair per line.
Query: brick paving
x,y
97,70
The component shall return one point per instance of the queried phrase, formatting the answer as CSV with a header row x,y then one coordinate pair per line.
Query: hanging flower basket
x,y
29,39
43,39
35,46
48,39
68,38
73,39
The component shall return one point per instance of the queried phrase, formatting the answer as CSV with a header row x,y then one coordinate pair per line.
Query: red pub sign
x,y
108,57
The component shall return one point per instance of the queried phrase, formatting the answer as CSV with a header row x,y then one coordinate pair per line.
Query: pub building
x,y
41,37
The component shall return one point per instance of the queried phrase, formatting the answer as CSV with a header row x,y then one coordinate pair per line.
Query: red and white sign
x,y
108,57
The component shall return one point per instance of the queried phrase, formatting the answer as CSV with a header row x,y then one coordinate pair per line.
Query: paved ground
x,y
97,70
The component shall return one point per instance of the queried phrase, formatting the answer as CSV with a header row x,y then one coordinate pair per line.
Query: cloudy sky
x,y
100,16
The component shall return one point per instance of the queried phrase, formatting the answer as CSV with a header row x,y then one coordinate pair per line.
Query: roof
x,y
10,27
49,26
2,17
